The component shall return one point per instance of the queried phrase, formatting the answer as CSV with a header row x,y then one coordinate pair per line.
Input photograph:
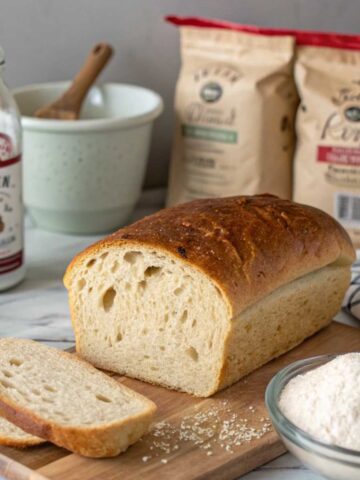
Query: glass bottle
x,y
12,268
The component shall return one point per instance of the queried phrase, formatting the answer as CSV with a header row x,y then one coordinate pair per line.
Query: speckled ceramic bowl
x,y
85,176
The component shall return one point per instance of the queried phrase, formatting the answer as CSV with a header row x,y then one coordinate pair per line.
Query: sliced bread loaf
x,y
13,436
196,296
56,396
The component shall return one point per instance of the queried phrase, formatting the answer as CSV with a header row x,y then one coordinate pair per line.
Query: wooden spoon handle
x,y
94,64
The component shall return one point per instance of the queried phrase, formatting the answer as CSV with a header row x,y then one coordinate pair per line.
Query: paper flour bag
x,y
235,107
327,159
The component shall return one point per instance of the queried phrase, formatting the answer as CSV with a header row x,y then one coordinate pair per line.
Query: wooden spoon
x,y
68,106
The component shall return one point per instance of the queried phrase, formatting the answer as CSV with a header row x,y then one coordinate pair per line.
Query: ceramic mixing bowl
x,y
85,176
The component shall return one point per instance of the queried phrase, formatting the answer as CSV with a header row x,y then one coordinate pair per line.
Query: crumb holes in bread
x,y
184,316
6,384
81,283
142,285
49,388
193,354
15,362
193,324
162,348
35,391
108,299
166,317
144,331
151,271
7,373
178,291
118,337
115,266
104,255
47,400
127,286
91,263
102,398
132,257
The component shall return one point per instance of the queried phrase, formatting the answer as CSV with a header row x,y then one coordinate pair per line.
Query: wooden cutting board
x,y
180,458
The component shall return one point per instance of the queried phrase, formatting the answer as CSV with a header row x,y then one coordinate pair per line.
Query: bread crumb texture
x,y
56,396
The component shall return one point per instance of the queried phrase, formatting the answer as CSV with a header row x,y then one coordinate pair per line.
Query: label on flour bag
x,y
11,228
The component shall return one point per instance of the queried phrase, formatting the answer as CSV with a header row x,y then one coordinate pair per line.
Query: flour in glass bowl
x,y
325,402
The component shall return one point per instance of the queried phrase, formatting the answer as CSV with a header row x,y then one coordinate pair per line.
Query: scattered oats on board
x,y
212,428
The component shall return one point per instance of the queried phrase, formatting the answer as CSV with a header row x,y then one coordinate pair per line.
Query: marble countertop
x,y
38,309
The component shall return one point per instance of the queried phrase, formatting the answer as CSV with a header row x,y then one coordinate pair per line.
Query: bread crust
x,y
8,441
105,440
248,246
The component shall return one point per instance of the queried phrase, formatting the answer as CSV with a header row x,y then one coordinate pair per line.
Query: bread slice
x,y
13,436
196,296
58,397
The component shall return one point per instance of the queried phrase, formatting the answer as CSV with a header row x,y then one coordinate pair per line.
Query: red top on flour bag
x,y
302,37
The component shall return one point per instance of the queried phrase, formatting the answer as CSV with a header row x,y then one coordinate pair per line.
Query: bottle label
x,y
11,223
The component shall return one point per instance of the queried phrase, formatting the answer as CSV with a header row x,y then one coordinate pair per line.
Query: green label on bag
x,y
213,134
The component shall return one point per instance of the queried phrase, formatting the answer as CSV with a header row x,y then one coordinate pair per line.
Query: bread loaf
x,y
196,296
60,398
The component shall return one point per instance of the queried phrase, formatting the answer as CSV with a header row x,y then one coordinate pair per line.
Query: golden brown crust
x,y
249,246
103,440
12,442
8,438
96,442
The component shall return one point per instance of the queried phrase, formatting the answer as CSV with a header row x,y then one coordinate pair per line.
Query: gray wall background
x,y
46,40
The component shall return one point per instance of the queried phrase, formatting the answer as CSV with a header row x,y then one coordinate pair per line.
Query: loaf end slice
x,y
60,398
13,436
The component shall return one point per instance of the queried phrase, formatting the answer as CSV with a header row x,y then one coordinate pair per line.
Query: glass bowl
x,y
332,462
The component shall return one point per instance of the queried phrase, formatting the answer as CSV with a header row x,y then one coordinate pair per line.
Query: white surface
x,y
38,309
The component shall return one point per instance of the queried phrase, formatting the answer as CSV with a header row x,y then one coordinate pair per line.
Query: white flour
x,y
325,402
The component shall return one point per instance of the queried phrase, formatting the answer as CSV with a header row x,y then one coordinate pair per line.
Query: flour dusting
x,y
325,402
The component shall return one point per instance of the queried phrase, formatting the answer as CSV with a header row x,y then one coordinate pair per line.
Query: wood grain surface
x,y
189,461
